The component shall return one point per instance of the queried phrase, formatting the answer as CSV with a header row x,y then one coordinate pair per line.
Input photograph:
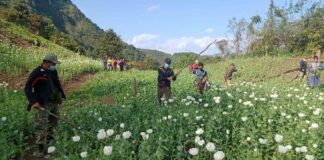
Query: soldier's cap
x,y
167,61
52,58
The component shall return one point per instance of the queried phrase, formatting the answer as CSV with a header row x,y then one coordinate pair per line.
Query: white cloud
x,y
180,44
142,39
203,42
153,7
186,44
209,30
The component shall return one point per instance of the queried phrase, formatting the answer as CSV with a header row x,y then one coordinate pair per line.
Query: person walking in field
x,y
104,62
229,74
44,93
115,63
201,78
193,66
121,64
314,70
165,76
301,69
110,64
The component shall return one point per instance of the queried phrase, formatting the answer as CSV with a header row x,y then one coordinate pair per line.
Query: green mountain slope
x,y
67,18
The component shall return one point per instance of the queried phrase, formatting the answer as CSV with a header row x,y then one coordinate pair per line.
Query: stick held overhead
x,y
214,42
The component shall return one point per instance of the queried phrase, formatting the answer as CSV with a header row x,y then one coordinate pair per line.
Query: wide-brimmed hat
x,y
52,58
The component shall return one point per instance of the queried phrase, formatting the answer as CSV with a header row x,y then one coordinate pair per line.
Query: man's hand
x,y
170,78
36,105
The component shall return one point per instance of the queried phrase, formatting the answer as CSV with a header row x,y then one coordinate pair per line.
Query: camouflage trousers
x,y
45,124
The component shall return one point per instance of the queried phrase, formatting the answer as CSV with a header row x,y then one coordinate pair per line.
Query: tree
x,y
269,29
18,14
223,47
111,44
238,28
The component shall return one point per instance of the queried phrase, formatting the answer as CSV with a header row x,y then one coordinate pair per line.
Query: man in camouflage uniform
x,y
165,75
229,73
44,93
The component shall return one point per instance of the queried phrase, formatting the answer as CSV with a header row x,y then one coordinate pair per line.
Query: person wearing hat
x,y
165,75
229,74
44,93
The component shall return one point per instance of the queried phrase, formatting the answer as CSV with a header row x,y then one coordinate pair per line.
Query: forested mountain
x,y
63,23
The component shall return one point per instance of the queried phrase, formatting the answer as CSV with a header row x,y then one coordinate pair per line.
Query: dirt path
x,y
15,82
74,84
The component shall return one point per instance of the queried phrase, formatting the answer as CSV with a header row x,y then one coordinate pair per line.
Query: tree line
x,y
293,29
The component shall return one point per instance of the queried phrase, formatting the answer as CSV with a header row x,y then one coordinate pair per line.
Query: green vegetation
x,y
243,123
293,29
17,60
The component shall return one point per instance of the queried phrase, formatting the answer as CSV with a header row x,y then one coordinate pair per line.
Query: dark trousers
x,y
163,91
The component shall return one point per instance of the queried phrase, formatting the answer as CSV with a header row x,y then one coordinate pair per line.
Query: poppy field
x,y
272,119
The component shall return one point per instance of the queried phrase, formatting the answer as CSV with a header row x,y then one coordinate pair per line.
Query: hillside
x,y
21,51
67,18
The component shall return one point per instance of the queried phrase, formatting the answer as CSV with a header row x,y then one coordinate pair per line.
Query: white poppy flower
x,y
185,114
51,149
117,137
313,126
3,119
278,138
110,132
244,119
210,147
219,155
198,118
199,131
76,138
101,134
317,111
197,139
301,115
201,142
107,150
122,125
309,157
149,131
127,134
193,151
303,149
315,145
263,141
84,154
282,149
